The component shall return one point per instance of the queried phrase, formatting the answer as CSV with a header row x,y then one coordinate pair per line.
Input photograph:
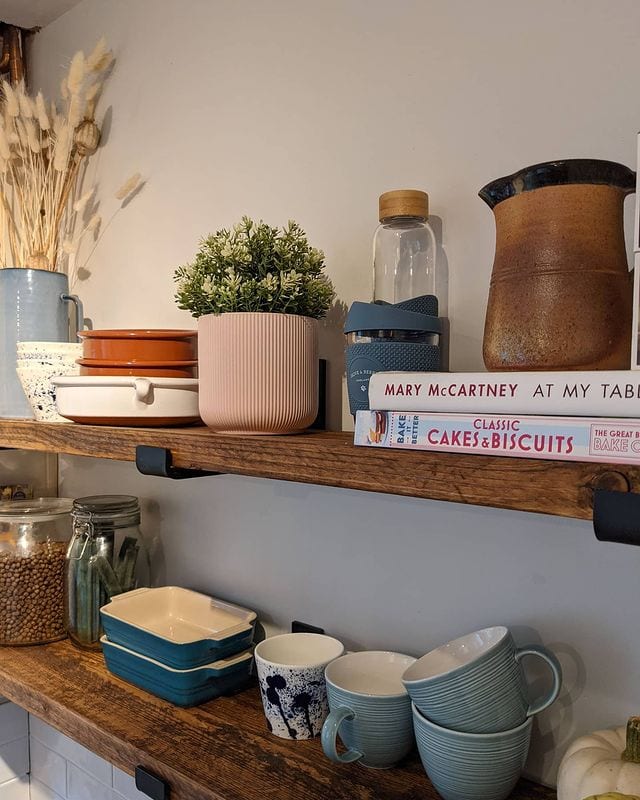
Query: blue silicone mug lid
x,y
383,316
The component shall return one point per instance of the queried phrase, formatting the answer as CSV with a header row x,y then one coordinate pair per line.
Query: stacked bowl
x,y
37,364
471,713
140,352
180,645
136,377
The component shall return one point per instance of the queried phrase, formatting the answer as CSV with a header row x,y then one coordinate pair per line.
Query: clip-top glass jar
x,y
107,556
33,540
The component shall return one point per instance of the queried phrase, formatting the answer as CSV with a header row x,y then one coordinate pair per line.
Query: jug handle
x,y
77,302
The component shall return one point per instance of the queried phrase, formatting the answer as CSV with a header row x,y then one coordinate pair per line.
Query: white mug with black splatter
x,y
292,683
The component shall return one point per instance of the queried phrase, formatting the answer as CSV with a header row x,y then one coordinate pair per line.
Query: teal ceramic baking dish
x,y
182,687
177,627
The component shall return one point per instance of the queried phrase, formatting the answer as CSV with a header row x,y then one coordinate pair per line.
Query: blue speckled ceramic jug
x,y
33,308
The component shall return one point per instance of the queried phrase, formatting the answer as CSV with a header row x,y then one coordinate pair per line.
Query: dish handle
x,y
127,595
144,390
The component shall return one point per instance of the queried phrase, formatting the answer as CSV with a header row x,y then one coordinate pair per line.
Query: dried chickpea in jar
x,y
33,542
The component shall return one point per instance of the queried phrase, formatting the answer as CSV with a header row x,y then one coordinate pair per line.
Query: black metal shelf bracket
x,y
158,461
150,784
616,516
304,627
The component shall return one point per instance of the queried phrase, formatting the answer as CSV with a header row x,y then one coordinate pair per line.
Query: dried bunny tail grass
x,y
79,205
5,150
76,73
61,149
97,54
64,89
129,186
32,136
93,93
24,101
94,222
41,113
58,122
93,90
12,103
69,247
76,110
104,63
22,133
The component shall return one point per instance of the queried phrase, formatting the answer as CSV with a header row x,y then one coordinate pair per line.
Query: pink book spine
x,y
564,438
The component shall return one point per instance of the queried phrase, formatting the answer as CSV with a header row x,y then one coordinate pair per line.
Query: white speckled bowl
x,y
48,352
36,383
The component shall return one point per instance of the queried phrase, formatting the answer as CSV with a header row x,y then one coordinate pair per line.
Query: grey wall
x,y
309,110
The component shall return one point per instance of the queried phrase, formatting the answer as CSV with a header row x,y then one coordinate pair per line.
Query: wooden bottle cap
x,y
404,203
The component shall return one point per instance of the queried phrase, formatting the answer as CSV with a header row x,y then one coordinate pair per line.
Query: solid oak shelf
x,y
218,751
563,488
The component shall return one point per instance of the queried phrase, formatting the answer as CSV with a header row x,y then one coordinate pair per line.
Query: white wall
x,y
309,110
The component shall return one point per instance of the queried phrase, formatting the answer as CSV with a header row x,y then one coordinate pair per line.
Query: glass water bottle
x,y
404,248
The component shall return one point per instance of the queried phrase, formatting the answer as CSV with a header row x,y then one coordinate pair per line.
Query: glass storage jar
x,y
33,540
107,556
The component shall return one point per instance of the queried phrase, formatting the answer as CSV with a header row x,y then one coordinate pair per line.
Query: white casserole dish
x,y
127,400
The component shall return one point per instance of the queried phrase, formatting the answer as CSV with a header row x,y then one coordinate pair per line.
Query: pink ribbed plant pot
x,y
258,372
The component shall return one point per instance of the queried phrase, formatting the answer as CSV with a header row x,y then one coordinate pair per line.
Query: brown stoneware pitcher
x,y
561,292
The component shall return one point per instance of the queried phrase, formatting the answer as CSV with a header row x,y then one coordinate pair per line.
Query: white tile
x,y
13,723
125,786
48,767
14,759
72,751
41,792
82,786
16,789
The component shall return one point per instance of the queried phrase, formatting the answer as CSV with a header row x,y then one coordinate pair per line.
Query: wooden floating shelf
x,y
218,751
563,488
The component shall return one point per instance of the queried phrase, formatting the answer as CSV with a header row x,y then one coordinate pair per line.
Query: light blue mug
x,y
476,683
472,766
370,709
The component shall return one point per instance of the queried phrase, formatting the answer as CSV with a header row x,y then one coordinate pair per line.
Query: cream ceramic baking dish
x,y
178,627
127,400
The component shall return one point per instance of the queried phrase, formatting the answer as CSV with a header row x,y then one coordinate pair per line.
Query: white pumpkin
x,y
594,764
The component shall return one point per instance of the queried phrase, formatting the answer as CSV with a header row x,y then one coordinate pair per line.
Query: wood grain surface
x,y
218,751
562,488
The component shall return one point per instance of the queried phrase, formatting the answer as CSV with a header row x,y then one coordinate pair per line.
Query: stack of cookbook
x,y
575,416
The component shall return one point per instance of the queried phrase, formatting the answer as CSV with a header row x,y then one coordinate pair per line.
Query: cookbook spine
x,y
564,438
588,394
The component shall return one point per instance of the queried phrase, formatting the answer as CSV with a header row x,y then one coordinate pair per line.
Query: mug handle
x,y
330,734
77,302
556,669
